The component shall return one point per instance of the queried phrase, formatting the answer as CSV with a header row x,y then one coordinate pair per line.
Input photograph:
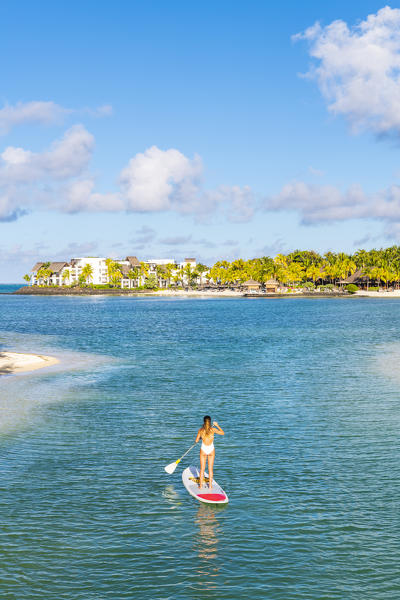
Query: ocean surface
x,y
307,391
9,288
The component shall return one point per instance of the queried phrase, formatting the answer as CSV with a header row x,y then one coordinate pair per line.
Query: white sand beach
x,y
381,294
198,293
16,362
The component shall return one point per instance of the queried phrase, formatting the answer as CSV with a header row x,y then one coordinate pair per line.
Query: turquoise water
x,y
9,288
307,391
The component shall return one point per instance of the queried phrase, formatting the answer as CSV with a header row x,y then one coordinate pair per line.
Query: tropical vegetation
x,y
300,268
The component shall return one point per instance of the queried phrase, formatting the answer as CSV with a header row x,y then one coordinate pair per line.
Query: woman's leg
x,y
211,468
203,458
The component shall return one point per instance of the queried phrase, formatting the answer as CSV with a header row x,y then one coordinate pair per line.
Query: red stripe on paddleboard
x,y
212,497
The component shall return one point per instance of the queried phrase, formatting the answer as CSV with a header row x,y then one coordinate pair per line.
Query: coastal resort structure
x,y
126,273
271,286
252,286
358,278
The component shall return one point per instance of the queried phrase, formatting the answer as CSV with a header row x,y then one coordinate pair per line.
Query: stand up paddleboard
x,y
216,495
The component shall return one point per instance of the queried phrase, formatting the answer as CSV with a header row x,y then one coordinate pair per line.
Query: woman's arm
x,y
198,435
220,431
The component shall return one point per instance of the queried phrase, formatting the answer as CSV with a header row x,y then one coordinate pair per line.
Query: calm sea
x,y
307,391
9,288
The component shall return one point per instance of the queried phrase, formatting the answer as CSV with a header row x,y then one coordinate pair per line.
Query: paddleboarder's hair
x,y
207,424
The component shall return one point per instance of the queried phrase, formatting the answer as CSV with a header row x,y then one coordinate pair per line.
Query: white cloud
x,y
144,235
153,181
30,112
78,196
358,69
178,240
25,175
102,111
66,158
278,246
317,204
9,211
160,180
43,113
25,257
327,204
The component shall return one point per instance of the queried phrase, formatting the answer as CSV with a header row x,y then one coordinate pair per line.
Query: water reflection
x,y
206,542
171,496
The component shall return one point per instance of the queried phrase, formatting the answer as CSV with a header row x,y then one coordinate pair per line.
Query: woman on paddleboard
x,y
207,450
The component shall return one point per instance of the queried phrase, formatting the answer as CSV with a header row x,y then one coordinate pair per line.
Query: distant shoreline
x,y
168,293
180,293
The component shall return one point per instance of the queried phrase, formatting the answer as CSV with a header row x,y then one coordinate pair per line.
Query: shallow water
x,y
307,391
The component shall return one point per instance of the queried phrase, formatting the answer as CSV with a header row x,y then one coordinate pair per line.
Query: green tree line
x,y
379,267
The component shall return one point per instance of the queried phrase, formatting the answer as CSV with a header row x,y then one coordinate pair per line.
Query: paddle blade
x,y
171,468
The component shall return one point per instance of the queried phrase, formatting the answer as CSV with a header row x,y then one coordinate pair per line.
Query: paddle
x,y
171,467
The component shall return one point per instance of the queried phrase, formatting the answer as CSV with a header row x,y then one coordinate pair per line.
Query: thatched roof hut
x,y
133,261
271,285
251,285
57,267
37,266
357,277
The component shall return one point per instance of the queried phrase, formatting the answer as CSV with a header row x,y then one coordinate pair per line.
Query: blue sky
x,y
174,129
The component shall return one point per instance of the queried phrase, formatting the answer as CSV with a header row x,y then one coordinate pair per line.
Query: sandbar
x,y
17,362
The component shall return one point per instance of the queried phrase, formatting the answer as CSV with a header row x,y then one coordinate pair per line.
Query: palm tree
x,y
87,272
27,278
66,275
44,274
295,272
132,274
188,273
199,271
169,271
144,271
113,271
313,272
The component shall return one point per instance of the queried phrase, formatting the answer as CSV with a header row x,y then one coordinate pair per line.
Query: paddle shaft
x,y
187,452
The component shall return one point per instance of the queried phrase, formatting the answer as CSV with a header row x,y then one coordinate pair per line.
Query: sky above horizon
x,y
216,129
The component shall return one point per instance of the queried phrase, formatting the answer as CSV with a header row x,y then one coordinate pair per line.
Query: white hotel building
x,y
68,273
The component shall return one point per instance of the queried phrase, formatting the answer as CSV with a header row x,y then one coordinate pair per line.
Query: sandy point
x,y
17,362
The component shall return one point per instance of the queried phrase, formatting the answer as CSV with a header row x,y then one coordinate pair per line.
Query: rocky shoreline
x,y
77,291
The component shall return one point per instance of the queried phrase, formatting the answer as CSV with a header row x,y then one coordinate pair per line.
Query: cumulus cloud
x,y
79,196
162,180
178,240
317,204
74,249
158,180
327,204
106,110
278,246
43,113
66,158
24,257
238,203
358,69
153,181
144,235
23,173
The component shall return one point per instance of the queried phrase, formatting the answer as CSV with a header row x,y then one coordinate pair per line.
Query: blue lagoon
x,y
307,392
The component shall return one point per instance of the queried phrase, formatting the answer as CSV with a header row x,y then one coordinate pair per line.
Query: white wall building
x,y
132,273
